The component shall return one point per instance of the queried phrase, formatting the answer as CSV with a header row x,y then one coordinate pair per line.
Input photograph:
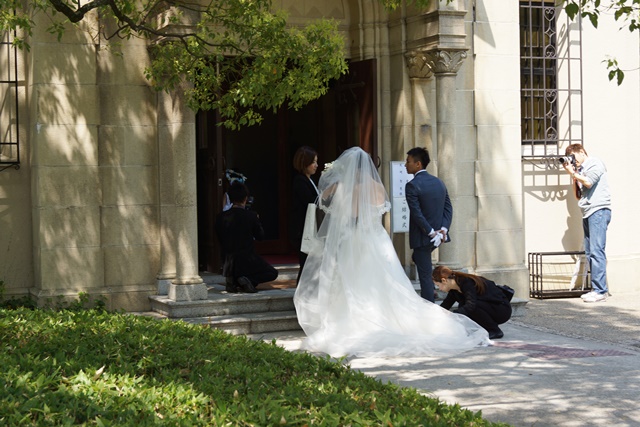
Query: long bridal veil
x,y
354,297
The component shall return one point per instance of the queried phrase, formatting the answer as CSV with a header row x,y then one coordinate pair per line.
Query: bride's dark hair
x,y
441,272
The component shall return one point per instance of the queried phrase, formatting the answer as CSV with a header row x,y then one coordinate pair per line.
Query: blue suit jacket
x,y
429,208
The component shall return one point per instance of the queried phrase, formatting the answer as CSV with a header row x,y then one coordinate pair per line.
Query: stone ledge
x,y
518,307
188,292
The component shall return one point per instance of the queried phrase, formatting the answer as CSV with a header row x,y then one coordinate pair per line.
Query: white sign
x,y
399,207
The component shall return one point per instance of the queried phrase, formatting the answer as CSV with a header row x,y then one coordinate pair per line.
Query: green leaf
x,y
572,10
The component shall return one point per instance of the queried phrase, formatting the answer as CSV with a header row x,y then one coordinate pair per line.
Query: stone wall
x,y
94,169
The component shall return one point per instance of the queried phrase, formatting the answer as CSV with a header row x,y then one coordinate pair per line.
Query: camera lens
x,y
566,159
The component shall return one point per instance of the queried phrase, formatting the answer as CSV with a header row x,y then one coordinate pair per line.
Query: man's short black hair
x,y
420,154
238,192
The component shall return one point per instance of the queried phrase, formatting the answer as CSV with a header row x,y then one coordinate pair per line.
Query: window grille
x,y
9,136
550,79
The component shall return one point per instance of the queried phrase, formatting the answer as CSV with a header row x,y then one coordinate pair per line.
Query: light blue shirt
x,y
598,196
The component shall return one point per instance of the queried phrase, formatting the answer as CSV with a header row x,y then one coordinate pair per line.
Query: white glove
x,y
437,239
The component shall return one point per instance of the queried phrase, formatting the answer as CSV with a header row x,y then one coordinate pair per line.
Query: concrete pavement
x,y
564,363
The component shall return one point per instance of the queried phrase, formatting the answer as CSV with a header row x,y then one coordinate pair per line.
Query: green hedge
x,y
90,367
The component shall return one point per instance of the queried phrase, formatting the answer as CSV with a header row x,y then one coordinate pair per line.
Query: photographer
x,y
589,176
237,228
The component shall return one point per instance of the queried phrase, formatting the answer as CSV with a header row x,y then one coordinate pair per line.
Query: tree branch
x,y
78,14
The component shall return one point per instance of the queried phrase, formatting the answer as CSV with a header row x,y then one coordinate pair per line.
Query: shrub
x,y
91,367
13,303
83,302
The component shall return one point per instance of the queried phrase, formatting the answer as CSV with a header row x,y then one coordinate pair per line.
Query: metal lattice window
x,y
9,137
550,79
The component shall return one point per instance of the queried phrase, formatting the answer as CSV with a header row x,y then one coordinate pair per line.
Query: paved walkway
x,y
564,363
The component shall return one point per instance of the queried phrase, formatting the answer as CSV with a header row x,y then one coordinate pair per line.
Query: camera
x,y
568,159
249,203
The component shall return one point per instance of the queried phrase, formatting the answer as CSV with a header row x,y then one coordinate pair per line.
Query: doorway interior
x,y
343,118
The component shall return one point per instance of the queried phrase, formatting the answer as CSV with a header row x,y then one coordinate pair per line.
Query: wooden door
x,y
356,107
210,176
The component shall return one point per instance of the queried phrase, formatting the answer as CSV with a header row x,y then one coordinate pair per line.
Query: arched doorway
x,y
343,118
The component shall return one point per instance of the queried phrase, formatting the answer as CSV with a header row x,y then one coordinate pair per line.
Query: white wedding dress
x,y
354,297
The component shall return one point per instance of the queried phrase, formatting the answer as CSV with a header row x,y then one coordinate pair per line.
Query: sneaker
x,y
596,298
588,294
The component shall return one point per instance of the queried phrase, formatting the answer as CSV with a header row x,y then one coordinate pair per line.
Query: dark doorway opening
x,y
343,118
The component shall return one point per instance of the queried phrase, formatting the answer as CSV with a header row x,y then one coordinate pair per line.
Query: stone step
x,y
221,303
251,323
286,272
269,310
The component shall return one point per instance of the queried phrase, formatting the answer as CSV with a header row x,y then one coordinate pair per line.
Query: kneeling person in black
x,y
478,298
237,228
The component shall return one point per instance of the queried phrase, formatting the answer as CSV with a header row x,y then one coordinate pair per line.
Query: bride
x,y
354,297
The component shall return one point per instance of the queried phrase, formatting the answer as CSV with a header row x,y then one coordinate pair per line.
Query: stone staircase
x,y
269,310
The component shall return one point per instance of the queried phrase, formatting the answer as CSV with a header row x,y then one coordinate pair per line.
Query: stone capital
x,y
423,64
418,64
447,61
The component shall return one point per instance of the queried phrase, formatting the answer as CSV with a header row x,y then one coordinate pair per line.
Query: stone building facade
x,y
117,184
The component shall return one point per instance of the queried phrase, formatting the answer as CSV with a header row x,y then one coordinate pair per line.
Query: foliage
x,y
234,55
394,4
83,302
614,70
626,12
95,368
13,303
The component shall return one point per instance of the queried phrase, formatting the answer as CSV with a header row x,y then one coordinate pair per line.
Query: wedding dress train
x,y
354,297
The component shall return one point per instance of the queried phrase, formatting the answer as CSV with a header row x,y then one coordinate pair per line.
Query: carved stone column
x,y
166,167
179,234
188,285
421,121
444,65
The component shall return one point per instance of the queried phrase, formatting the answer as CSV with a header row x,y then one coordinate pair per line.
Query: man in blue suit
x,y
430,214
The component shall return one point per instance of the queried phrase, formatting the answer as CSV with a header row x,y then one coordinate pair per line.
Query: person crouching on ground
x,y
237,228
478,298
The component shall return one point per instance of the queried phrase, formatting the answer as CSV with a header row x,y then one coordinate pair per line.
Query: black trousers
x,y
302,258
251,266
489,315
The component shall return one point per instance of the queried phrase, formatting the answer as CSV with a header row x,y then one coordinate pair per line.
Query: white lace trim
x,y
386,207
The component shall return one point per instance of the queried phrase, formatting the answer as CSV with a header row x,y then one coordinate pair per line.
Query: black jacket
x,y
468,298
237,228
